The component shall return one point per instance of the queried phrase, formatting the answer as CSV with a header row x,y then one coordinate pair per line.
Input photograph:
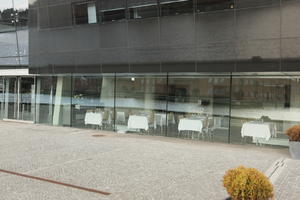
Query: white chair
x,y
209,127
158,121
107,119
120,119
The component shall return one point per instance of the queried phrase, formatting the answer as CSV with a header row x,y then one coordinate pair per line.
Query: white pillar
x,y
58,101
38,100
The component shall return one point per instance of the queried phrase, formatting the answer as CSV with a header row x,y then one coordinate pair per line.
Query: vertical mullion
x,y
230,107
115,96
167,105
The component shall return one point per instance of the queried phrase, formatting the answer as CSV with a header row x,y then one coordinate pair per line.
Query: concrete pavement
x,y
128,166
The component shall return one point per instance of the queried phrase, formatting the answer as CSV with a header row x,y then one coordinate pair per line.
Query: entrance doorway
x,y
19,98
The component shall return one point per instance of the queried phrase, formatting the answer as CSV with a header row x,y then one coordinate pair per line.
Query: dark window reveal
x,y
85,13
113,15
213,5
143,12
176,7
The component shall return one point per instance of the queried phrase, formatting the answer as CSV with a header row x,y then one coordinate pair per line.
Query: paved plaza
x,y
129,167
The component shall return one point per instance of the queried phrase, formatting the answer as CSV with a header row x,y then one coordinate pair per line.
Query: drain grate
x,y
98,135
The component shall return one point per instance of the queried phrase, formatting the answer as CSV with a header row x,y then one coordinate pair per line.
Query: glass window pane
x,y
7,16
141,103
21,7
198,106
85,13
213,5
45,91
113,15
11,98
1,97
290,35
93,102
92,15
80,13
26,98
141,12
136,3
112,10
8,37
256,3
8,44
176,7
263,107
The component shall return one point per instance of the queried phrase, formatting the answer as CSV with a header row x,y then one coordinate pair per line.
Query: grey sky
x,y
19,4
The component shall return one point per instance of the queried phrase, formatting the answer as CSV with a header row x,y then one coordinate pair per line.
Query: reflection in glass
x,y
85,13
263,107
145,11
19,98
176,7
112,10
26,98
198,107
93,102
113,15
1,97
11,98
141,103
21,8
45,90
213,5
7,16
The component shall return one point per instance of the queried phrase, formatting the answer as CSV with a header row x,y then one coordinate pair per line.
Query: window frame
x,y
178,1
111,10
84,3
215,2
144,6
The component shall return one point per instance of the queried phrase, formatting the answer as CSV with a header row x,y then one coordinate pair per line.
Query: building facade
x,y
219,70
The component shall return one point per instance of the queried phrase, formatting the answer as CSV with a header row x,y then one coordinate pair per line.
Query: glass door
x,y
26,98
1,98
19,98
11,97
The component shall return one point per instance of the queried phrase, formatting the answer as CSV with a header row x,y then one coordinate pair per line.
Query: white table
x,y
257,130
138,122
93,118
186,124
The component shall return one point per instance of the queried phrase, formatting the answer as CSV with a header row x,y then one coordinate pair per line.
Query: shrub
x,y
294,133
247,184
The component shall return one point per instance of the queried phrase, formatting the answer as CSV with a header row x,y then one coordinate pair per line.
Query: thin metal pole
x,y
167,105
230,104
115,96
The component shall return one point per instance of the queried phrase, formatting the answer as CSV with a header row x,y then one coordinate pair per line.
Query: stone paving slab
x,y
288,183
128,166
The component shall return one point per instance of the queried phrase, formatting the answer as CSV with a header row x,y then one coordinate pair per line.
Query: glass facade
x,y
242,108
199,99
94,96
2,98
45,93
141,102
14,33
18,98
215,70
